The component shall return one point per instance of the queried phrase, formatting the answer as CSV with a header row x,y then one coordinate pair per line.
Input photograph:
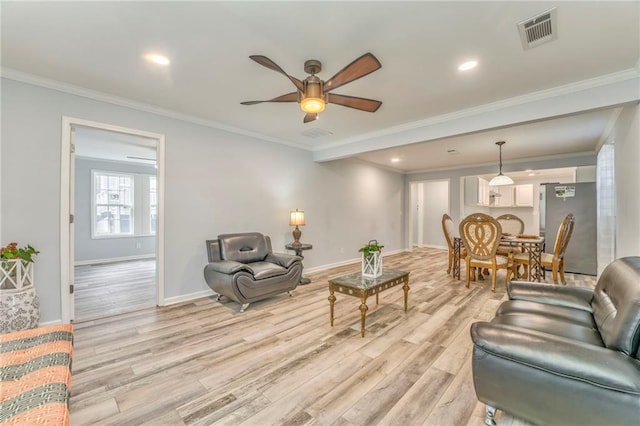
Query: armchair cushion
x,y
282,259
262,270
229,267
616,306
559,355
246,248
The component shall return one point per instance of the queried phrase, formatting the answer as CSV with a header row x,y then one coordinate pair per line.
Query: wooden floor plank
x,y
204,363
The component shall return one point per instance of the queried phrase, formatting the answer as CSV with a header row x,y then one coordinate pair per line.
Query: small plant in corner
x,y
371,247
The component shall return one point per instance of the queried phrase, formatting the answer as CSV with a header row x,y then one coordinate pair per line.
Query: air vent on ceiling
x,y
540,29
316,132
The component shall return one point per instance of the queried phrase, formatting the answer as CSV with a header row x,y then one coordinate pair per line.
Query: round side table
x,y
298,250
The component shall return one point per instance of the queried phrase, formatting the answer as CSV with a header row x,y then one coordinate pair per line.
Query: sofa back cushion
x,y
616,305
246,247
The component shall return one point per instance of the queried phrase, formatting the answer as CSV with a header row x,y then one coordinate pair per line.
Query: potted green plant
x,y
371,259
19,304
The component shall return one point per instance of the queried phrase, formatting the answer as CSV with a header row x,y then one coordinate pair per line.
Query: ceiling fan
x,y
313,94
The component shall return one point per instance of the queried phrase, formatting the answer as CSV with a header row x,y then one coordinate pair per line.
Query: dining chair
x,y
554,260
481,235
449,230
512,225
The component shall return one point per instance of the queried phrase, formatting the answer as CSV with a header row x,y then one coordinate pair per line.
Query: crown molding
x,y
59,86
516,161
591,83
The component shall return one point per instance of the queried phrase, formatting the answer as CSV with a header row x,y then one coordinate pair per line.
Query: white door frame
x,y
66,199
416,187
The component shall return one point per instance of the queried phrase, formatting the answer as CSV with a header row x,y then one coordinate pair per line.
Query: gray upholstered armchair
x,y
564,355
244,268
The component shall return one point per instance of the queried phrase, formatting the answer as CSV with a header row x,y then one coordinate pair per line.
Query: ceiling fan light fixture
x,y
312,105
500,179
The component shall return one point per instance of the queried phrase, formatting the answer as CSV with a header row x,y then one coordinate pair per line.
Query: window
x,y
113,201
124,204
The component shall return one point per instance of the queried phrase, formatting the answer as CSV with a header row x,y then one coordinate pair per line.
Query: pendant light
x,y
501,179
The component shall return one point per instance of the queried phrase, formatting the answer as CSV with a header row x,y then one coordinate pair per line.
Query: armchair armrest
x,y
229,267
570,297
282,259
571,359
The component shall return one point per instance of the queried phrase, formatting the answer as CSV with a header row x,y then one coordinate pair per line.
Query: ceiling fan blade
x,y
289,97
309,117
365,64
266,62
363,104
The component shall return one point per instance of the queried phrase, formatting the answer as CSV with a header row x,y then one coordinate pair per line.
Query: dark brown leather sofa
x,y
244,268
564,355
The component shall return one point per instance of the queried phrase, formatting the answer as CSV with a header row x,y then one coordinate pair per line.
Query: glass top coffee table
x,y
358,286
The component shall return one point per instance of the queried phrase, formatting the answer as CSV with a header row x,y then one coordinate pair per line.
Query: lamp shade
x,y
296,218
501,180
312,105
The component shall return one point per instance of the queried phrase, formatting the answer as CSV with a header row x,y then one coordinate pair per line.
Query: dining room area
x,y
484,245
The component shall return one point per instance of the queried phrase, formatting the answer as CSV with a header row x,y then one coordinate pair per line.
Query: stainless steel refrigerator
x,y
560,199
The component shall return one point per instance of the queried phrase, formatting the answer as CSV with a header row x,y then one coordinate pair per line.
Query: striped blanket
x,y
35,376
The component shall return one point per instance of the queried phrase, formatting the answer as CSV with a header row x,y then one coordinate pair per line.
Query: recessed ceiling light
x,y
157,59
532,174
395,160
467,65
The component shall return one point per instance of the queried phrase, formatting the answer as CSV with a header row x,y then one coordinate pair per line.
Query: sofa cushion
x,y
575,316
245,247
262,270
551,325
616,305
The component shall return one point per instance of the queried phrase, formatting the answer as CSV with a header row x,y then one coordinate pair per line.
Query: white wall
x,y
216,182
626,137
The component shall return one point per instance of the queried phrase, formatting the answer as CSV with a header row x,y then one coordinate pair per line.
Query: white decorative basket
x,y
372,264
15,274
19,303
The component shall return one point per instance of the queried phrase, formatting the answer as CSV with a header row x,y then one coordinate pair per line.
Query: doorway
x,y
113,261
429,200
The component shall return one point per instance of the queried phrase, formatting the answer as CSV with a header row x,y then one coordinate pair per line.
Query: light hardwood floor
x,y
114,288
280,362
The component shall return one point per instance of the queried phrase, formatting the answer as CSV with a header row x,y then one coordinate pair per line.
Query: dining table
x,y
533,245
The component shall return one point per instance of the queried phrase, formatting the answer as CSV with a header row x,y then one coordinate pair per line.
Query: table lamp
x,y
296,219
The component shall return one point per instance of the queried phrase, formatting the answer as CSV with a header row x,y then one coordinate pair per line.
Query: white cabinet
x,y
524,195
503,196
476,191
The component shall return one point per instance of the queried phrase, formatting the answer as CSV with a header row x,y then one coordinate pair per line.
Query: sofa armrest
x,y
229,267
282,259
570,297
571,359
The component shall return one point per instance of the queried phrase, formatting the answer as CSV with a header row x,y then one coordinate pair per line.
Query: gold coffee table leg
x,y
363,313
405,287
332,299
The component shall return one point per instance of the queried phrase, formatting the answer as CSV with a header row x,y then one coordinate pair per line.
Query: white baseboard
x,y
348,262
436,247
113,260
188,297
46,323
